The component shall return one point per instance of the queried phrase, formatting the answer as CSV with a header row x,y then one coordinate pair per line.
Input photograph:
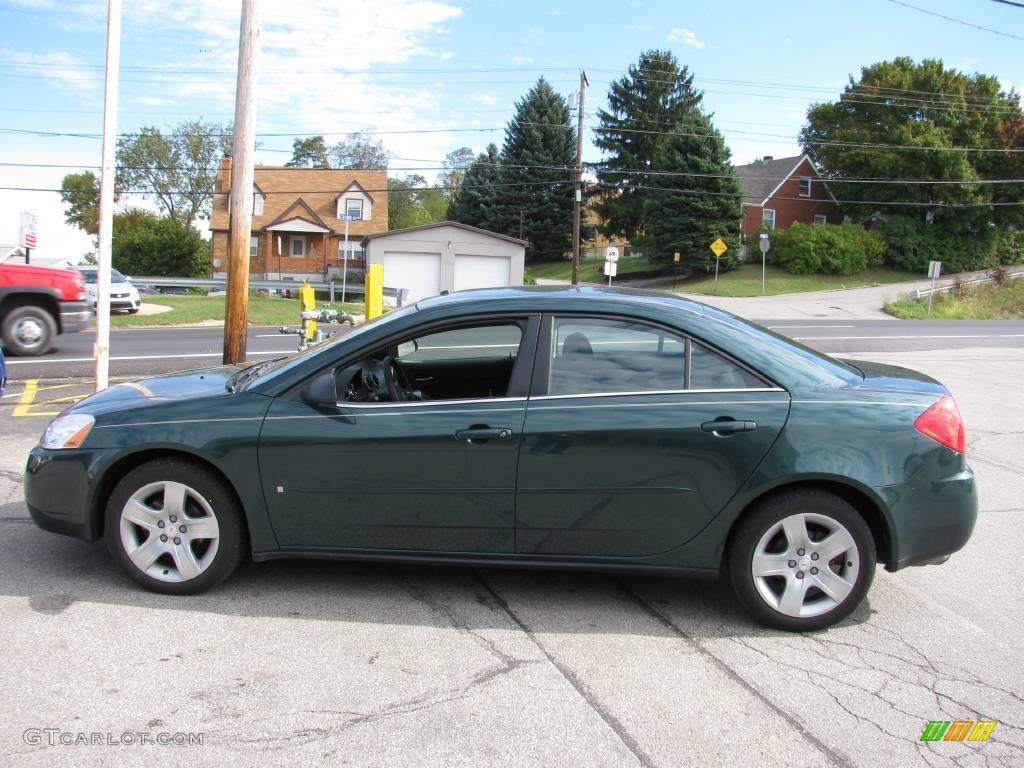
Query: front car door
x,y
432,472
636,436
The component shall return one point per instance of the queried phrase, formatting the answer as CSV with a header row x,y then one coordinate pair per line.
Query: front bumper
x,y
75,316
59,491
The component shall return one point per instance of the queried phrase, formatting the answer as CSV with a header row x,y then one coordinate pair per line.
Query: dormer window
x,y
355,204
354,208
258,198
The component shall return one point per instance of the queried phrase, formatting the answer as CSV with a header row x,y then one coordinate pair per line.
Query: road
x,y
137,352
310,663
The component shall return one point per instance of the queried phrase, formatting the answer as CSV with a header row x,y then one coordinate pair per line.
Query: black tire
x,y
825,510
133,311
220,503
28,330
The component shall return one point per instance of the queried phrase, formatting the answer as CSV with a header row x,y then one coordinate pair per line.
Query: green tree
x,y
178,169
454,171
643,106
80,193
479,196
360,151
412,203
536,173
686,213
147,244
944,116
309,152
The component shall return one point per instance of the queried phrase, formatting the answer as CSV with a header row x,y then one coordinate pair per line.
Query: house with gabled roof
x,y
299,220
779,192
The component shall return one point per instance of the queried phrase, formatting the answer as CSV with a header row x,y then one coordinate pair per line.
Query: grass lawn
x,y
589,269
746,281
983,302
263,310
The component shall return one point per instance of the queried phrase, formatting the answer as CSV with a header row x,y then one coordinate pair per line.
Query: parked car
x,y
123,295
575,428
37,304
3,373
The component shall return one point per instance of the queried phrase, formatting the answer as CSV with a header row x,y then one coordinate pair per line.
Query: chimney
x,y
224,174
766,158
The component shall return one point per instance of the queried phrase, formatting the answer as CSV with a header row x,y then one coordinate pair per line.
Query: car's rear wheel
x,y
175,527
28,330
802,561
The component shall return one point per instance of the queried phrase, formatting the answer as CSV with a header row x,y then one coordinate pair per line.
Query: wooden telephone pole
x,y
578,201
243,151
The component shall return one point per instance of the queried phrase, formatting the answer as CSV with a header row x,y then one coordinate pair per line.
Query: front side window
x,y
592,356
768,218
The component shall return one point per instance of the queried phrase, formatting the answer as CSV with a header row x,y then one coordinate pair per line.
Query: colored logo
x,y
958,730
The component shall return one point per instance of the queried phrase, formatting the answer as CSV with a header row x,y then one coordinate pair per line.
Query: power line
x,y
1010,2
956,21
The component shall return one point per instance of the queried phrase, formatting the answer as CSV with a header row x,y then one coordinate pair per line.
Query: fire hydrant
x,y
309,334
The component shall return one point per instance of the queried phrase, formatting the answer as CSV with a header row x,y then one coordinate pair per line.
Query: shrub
x,y
843,249
145,244
912,244
1009,246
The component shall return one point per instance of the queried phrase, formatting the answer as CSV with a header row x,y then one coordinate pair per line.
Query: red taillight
x,y
943,424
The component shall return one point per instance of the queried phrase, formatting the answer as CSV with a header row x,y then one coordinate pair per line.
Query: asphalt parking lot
x,y
303,663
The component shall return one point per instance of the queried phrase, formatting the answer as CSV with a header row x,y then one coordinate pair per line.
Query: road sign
x,y
765,245
676,256
934,269
611,268
611,253
27,235
719,247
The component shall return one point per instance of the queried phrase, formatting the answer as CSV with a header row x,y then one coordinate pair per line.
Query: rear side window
x,y
591,356
709,370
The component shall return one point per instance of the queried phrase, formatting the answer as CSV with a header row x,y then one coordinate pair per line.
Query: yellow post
x,y
374,291
307,302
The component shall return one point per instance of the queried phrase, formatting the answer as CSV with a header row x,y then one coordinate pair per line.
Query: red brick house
x,y
777,193
298,226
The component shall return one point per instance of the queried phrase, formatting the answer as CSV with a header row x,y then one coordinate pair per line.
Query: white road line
x,y
784,327
139,357
920,338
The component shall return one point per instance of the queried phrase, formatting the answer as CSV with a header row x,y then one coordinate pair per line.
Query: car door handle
x,y
728,426
482,434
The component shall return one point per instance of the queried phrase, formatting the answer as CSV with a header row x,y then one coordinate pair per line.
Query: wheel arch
x,y
113,474
869,507
44,299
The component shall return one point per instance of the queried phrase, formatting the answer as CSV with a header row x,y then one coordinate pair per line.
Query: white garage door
x,y
419,272
481,272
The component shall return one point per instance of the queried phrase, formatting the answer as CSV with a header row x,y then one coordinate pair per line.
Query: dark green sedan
x,y
571,428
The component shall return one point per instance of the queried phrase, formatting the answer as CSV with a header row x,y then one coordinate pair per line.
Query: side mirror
x,y
322,391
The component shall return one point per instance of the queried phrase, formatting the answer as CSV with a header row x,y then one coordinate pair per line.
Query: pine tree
x,y
536,173
653,97
686,213
479,194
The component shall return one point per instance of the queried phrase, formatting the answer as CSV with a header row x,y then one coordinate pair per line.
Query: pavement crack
x,y
14,477
581,688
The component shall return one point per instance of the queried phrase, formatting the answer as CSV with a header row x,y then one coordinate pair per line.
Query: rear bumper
x,y
931,520
75,316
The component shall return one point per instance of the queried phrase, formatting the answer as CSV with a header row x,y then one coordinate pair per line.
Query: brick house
x,y
777,193
297,225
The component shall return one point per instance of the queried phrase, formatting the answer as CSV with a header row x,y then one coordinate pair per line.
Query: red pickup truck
x,y
37,303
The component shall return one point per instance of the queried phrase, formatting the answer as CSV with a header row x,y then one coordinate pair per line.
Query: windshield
x,y
282,365
92,276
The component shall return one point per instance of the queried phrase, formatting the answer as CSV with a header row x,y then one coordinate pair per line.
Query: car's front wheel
x,y
802,561
28,330
175,527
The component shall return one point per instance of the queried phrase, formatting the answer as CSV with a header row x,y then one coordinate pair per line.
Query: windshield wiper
x,y
244,376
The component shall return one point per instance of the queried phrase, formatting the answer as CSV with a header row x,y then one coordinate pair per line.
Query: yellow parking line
x,y
28,396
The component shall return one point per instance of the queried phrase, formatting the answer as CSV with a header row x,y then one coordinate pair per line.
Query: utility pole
x,y
578,201
243,151
106,223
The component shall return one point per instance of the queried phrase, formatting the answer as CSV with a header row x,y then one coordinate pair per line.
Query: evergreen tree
x,y
309,152
688,213
644,105
478,197
536,173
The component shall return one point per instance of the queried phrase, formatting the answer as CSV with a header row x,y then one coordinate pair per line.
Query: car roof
x,y
545,297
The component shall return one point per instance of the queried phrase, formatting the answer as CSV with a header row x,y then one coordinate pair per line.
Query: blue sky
x,y
453,67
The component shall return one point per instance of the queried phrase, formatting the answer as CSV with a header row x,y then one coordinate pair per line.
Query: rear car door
x,y
636,436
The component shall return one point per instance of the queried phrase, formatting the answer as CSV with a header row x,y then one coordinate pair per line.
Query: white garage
x,y
446,256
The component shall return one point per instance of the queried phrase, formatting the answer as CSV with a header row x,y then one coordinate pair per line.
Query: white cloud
x,y
686,37
522,60
60,67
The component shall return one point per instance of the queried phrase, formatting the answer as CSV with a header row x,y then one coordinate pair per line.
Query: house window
x,y
351,250
254,247
257,204
354,209
820,219
298,246
768,218
805,186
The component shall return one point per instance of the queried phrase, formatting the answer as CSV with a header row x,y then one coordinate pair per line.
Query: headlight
x,y
68,431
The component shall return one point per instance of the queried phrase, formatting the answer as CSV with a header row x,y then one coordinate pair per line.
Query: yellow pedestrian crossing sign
x,y
719,247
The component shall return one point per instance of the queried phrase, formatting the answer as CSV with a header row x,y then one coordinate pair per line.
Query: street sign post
x,y
676,257
27,235
934,270
764,244
718,248
611,260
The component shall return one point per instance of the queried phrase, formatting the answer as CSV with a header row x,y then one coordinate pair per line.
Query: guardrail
x,y
923,293
352,289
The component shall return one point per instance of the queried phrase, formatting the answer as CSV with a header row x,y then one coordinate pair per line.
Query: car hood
x,y
893,378
185,385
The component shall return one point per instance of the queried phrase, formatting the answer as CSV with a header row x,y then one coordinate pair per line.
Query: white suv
x,y
123,296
